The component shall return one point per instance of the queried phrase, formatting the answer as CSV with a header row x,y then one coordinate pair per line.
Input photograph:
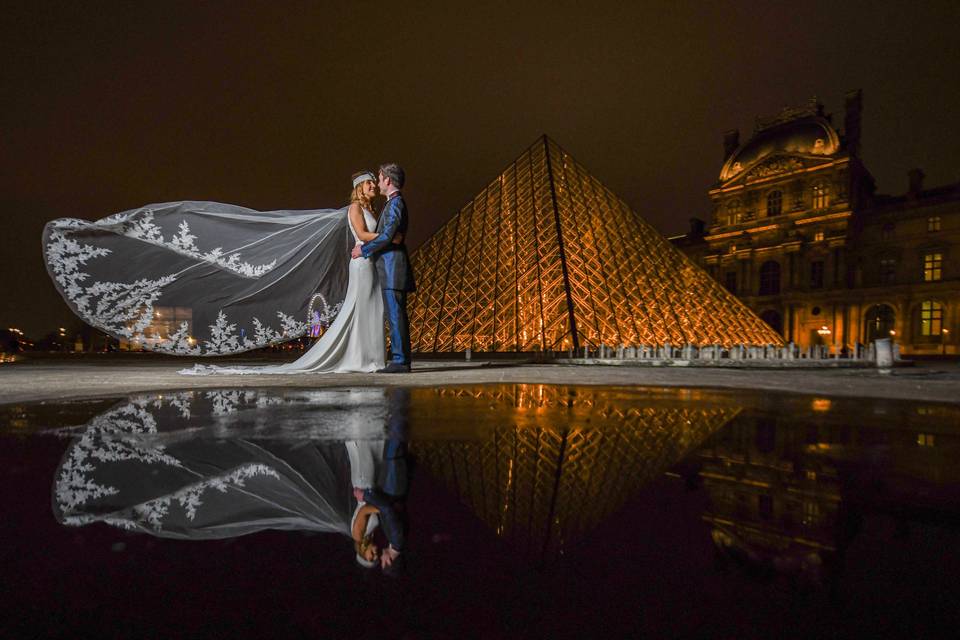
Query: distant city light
x,y
821,404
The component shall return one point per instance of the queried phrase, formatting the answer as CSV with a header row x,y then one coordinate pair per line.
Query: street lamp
x,y
944,336
824,332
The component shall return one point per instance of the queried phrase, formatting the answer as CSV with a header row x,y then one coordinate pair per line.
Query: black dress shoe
x,y
395,367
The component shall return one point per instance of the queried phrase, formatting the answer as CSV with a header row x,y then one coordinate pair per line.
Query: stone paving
x,y
93,376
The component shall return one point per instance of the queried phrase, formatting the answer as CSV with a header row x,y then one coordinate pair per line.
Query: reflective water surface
x,y
499,510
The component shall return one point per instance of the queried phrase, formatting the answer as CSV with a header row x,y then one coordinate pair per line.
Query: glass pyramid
x,y
547,258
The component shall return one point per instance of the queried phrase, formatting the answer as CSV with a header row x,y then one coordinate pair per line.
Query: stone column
x,y
845,317
856,326
840,278
884,354
904,323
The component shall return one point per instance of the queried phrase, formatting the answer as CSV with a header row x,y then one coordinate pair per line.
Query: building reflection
x,y
548,464
787,495
774,501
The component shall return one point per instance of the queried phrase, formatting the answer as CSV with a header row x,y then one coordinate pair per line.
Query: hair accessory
x,y
363,178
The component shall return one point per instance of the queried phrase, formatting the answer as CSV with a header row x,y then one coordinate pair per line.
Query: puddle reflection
x,y
787,480
547,472
789,493
222,464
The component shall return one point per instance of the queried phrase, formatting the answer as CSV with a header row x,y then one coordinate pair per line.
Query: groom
x,y
393,267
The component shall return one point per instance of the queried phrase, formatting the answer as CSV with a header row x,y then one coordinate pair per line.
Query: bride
x,y
355,340
208,279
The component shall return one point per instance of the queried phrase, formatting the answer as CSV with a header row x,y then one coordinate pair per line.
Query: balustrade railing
x,y
882,353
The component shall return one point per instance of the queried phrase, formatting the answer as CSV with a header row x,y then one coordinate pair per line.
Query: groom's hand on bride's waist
x,y
357,251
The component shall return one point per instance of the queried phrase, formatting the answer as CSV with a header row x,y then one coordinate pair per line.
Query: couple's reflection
x,y
210,465
378,476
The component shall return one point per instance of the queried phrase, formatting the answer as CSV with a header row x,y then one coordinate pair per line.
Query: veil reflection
x,y
219,464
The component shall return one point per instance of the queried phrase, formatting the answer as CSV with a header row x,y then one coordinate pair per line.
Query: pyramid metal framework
x,y
543,485
547,258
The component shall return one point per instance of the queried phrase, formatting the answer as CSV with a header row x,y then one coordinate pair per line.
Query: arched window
x,y
730,281
774,203
931,318
773,319
765,436
879,322
816,274
821,196
769,278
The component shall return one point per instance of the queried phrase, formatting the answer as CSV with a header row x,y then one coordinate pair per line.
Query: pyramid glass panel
x,y
547,258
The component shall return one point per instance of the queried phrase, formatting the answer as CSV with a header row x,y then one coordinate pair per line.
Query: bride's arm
x,y
356,220
359,226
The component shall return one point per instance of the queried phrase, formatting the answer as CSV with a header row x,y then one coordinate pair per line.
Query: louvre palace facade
x,y
799,234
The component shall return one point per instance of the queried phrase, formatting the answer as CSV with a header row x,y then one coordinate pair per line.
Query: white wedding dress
x,y
353,343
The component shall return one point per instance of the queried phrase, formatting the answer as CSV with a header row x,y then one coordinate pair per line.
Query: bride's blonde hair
x,y
357,194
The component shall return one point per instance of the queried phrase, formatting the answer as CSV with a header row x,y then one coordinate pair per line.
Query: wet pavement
x,y
100,375
524,510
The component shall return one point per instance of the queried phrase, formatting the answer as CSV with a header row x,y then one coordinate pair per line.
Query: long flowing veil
x,y
202,278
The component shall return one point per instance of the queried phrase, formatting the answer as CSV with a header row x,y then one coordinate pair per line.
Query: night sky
x,y
105,107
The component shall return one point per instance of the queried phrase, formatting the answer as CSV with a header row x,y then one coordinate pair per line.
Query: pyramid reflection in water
x,y
547,258
567,459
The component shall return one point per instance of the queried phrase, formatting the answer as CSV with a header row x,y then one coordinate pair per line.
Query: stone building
x,y
799,234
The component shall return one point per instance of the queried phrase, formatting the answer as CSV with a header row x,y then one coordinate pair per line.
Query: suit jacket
x,y
393,265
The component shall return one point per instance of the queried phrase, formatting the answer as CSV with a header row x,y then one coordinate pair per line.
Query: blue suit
x,y
395,274
392,475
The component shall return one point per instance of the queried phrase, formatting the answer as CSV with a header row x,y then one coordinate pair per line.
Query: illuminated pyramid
x,y
547,258
560,461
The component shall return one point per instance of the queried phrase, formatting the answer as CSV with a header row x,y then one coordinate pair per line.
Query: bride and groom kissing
x,y
242,278
386,249
379,279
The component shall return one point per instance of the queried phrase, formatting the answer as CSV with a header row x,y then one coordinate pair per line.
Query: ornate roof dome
x,y
810,135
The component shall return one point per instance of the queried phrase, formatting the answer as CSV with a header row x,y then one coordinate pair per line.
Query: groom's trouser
x,y
395,306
